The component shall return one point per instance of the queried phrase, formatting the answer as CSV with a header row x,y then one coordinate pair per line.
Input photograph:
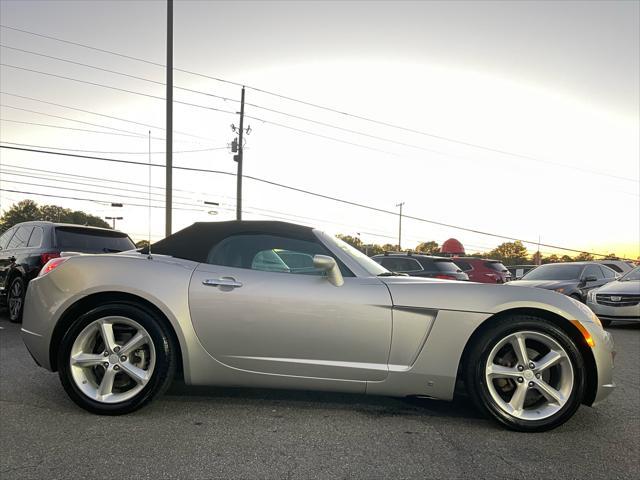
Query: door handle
x,y
222,282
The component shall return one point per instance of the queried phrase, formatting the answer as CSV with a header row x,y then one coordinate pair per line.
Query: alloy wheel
x,y
529,375
15,299
112,359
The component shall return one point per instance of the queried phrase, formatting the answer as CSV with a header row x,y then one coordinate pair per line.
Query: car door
x,y
259,305
14,255
592,271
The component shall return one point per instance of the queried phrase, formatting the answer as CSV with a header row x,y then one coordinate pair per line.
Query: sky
x,y
517,118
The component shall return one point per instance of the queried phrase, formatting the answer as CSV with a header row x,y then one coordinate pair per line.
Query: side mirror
x,y
328,265
590,278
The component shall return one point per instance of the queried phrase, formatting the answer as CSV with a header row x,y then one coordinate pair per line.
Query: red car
x,y
483,270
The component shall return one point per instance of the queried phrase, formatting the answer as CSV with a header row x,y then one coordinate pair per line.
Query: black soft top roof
x,y
195,242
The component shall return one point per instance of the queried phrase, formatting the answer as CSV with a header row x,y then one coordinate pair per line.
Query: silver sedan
x,y
619,300
271,304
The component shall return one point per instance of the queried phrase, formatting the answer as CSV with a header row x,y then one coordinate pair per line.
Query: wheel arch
x,y
562,323
91,301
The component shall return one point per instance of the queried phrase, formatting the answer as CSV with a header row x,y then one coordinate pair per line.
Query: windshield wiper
x,y
393,274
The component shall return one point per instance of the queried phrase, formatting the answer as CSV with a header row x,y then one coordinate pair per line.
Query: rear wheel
x,y
116,358
526,373
15,299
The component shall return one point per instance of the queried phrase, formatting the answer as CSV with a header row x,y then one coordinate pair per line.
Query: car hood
x,y
437,294
548,284
628,287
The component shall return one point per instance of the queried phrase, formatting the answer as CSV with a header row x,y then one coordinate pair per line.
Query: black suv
x,y
418,265
26,247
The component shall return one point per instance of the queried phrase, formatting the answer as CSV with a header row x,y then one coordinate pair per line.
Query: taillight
x,y
51,264
45,257
446,277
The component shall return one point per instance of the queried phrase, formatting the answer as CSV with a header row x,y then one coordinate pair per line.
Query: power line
x,y
71,128
320,195
84,199
330,109
70,119
113,153
116,72
102,115
95,84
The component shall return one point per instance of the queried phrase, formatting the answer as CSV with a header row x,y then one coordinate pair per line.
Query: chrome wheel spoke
x,y
132,365
500,371
549,379
138,375
550,393
106,385
520,348
87,360
106,330
548,361
517,400
136,341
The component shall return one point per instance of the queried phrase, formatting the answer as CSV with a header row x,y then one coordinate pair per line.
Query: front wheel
x,y
526,373
116,358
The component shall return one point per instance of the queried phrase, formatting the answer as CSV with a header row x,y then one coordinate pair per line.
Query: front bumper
x,y
606,312
604,355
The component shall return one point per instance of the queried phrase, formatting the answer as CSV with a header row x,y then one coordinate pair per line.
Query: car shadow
x,y
371,406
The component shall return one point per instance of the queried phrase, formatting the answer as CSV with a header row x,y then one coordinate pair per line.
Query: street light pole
x,y
169,121
114,220
401,204
239,159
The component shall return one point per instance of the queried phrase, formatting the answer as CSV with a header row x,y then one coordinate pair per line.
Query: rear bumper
x,y
37,324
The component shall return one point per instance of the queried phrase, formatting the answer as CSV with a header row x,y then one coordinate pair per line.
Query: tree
x,y
583,257
355,242
510,253
142,244
28,210
553,258
566,258
430,247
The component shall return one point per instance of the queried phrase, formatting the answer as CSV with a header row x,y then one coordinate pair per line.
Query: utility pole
x,y
169,120
238,146
401,204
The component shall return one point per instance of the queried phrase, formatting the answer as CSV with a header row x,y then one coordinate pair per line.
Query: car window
x,y
446,266
554,271
19,240
35,240
593,270
92,240
614,266
608,273
464,266
270,253
497,266
401,264
6,236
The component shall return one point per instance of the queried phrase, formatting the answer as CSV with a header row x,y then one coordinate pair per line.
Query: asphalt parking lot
x,y
243,433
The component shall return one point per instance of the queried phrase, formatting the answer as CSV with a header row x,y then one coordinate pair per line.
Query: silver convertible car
x,y
271,304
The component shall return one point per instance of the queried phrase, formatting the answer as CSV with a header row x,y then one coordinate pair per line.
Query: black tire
x,y
165,362
605,323
16,293
478,357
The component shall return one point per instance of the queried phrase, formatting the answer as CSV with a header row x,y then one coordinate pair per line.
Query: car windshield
x,y
632,275
365,262
497,266
556,271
